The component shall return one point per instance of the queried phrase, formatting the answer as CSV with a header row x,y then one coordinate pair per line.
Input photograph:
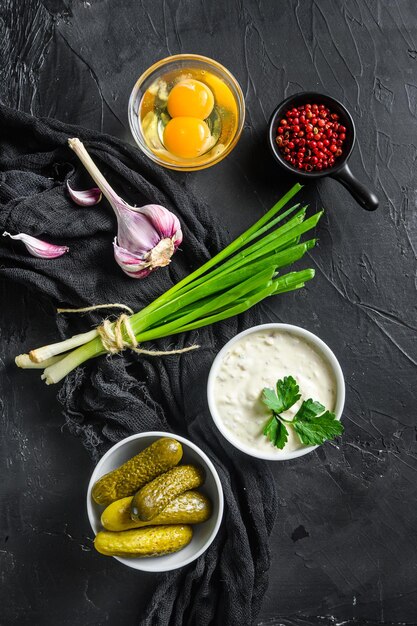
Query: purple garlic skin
x,y
147,238
37,247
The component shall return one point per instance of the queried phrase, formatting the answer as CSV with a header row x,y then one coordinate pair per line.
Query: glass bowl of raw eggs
x,y
186,112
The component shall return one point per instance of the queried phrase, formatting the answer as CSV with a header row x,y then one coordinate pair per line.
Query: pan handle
x,y
363,196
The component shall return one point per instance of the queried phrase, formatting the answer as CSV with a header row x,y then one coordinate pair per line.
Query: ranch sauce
x,y
258,360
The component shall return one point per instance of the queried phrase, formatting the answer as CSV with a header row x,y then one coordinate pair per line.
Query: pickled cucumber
x,y
151,500
142,542
157,458
190,507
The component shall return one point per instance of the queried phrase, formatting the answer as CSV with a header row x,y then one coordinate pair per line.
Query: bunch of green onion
x,y
238,277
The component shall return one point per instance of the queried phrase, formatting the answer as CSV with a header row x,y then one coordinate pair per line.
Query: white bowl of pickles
x,y
155,502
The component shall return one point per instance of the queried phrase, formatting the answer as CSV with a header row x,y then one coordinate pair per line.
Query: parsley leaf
x,y
309,410
313,430
276,432
286,394
312,423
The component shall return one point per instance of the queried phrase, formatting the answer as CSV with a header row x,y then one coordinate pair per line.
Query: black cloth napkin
x,y
113,397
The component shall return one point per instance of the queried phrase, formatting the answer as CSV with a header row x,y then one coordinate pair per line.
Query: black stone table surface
x,y
345,544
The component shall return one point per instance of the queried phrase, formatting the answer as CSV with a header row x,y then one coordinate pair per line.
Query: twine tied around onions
x,y
118,336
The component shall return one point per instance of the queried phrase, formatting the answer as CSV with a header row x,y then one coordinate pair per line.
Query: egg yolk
x,y
222,93
186,137
190,98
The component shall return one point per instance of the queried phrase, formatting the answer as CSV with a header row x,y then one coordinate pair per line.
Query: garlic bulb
x,y
147,236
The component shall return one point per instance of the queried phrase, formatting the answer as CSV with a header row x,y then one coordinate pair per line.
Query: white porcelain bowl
x,y
323,348
203,533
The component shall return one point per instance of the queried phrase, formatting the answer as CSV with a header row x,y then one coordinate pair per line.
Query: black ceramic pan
x,y
341,170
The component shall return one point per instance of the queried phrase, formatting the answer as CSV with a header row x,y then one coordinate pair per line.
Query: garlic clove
x,y
135,231
132,265
165,223
37,247
87,197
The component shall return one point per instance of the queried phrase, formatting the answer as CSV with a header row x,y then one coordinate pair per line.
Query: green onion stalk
x,y
244,273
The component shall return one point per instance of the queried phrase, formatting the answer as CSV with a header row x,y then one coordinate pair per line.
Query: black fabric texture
x,y
112,397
